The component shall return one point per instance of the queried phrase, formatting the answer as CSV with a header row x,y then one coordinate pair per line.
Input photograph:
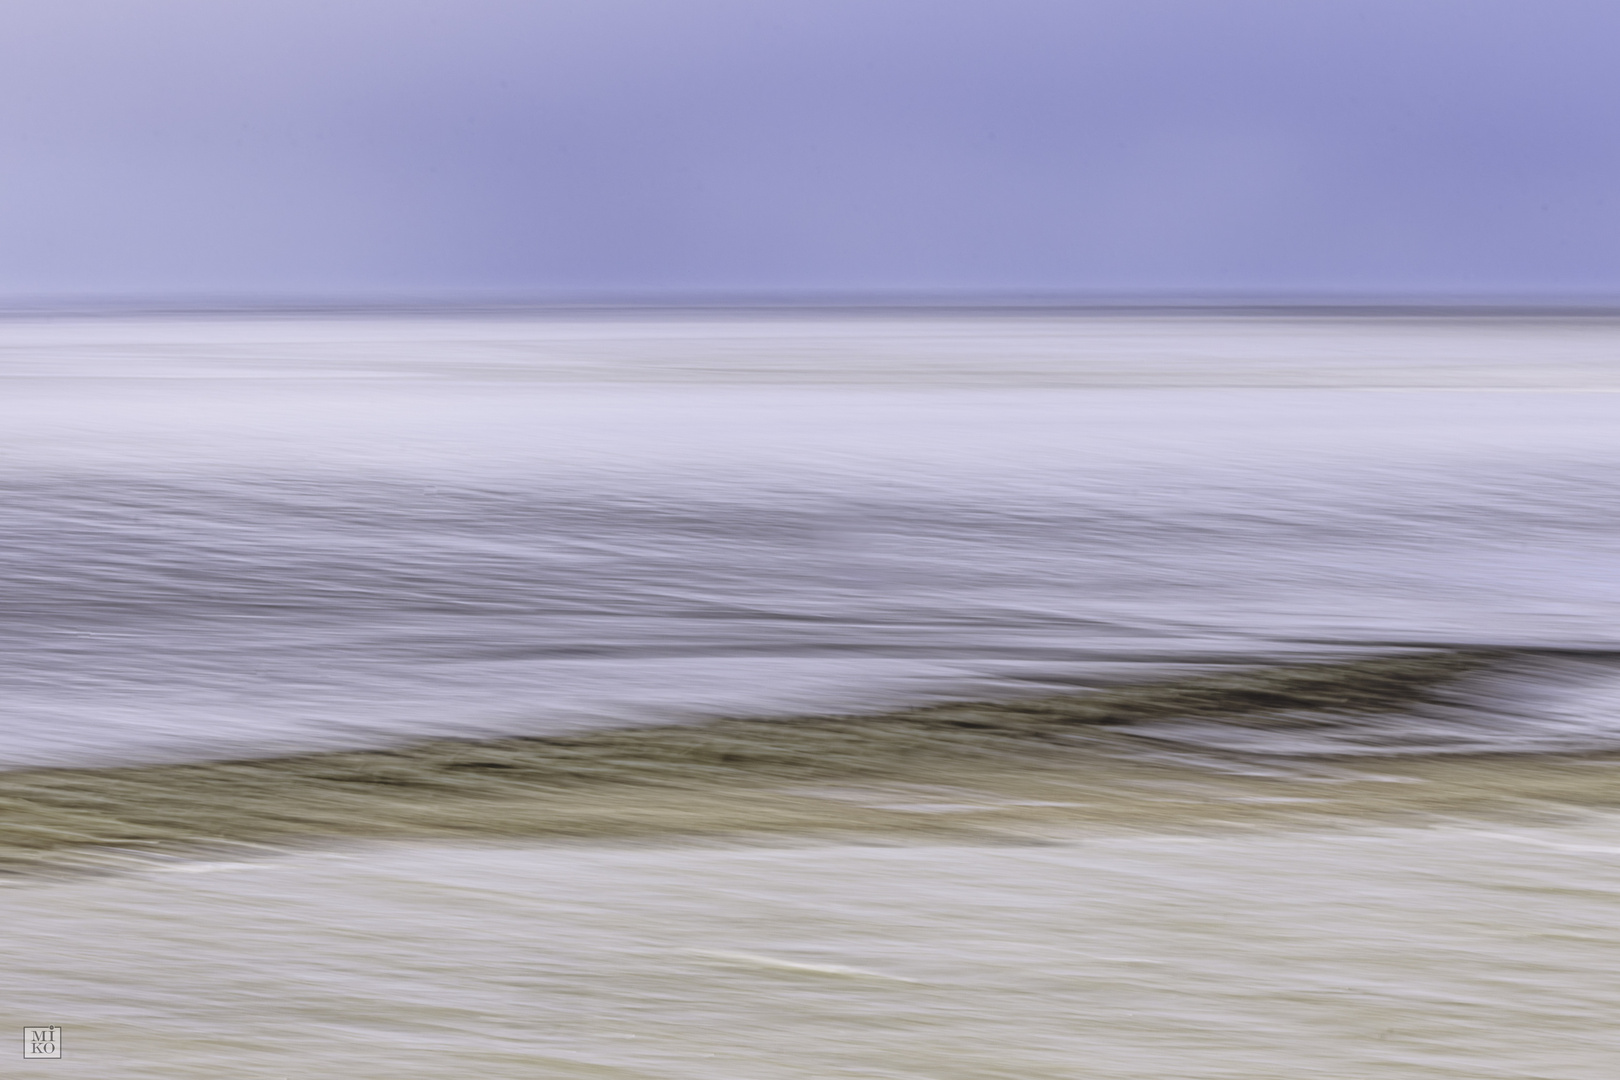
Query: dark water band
x,y
639,780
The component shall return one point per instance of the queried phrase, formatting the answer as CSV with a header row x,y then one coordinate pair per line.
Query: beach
x,y
946,696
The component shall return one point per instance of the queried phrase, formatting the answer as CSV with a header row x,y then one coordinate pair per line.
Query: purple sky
x,y
637,147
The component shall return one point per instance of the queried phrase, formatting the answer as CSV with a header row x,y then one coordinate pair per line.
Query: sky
x,y
599,149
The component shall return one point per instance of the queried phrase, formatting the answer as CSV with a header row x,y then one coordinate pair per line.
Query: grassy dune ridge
x,y
724,775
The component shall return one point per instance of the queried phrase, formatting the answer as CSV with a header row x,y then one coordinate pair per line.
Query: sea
x,y
243,535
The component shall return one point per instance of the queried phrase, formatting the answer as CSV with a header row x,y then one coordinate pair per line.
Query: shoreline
x,y
985,772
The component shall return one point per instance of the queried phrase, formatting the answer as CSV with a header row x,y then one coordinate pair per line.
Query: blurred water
x,y
228,536
249,535
1458,952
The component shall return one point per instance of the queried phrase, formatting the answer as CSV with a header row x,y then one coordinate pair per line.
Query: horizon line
x,y
451,302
